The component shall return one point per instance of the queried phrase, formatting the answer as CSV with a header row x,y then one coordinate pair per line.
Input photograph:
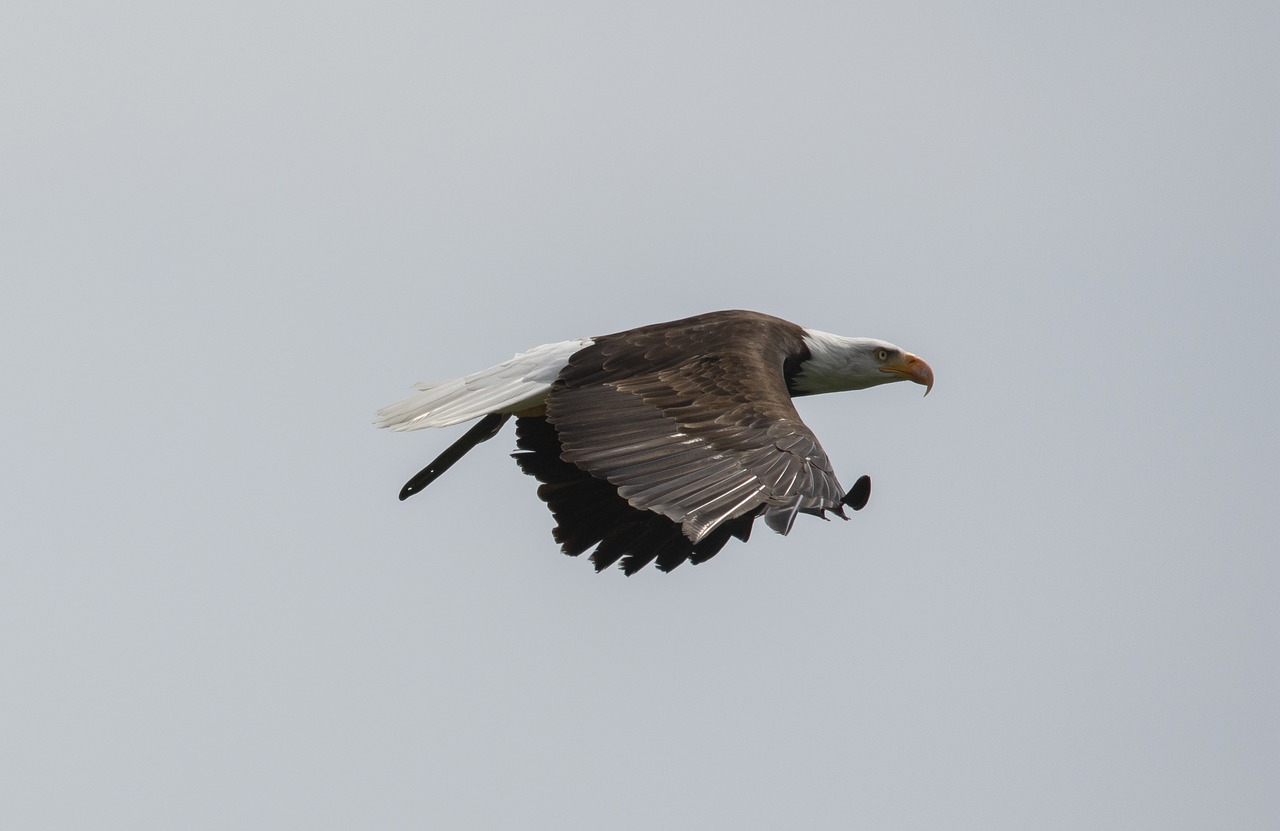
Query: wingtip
x,y
859,494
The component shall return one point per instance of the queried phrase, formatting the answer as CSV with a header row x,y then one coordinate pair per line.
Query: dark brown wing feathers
x,y
589,512
662,442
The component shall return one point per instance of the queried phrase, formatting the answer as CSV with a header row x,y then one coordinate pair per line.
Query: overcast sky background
x,y
231,231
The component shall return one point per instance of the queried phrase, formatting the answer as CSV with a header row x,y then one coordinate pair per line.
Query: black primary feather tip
x,y
858,495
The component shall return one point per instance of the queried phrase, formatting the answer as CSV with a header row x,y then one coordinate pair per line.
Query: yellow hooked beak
x,y
912,368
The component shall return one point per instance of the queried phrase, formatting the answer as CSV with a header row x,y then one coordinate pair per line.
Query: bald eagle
x,y
658,444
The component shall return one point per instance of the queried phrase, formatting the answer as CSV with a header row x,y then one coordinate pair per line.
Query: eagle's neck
x,y
836,363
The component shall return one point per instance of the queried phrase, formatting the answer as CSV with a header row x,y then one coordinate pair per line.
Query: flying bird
x,y
662,442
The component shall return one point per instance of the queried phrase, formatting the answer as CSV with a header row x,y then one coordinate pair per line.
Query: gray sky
x,y
233,230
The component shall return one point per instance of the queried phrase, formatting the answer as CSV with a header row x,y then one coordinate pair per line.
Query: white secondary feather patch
x,y
518,384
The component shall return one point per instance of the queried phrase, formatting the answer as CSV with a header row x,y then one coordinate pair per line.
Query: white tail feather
x,y
511,386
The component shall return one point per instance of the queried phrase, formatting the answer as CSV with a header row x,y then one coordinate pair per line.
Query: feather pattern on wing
x,y
695,422
589,512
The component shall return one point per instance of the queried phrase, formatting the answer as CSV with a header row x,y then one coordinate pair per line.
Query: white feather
x,y
518,384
